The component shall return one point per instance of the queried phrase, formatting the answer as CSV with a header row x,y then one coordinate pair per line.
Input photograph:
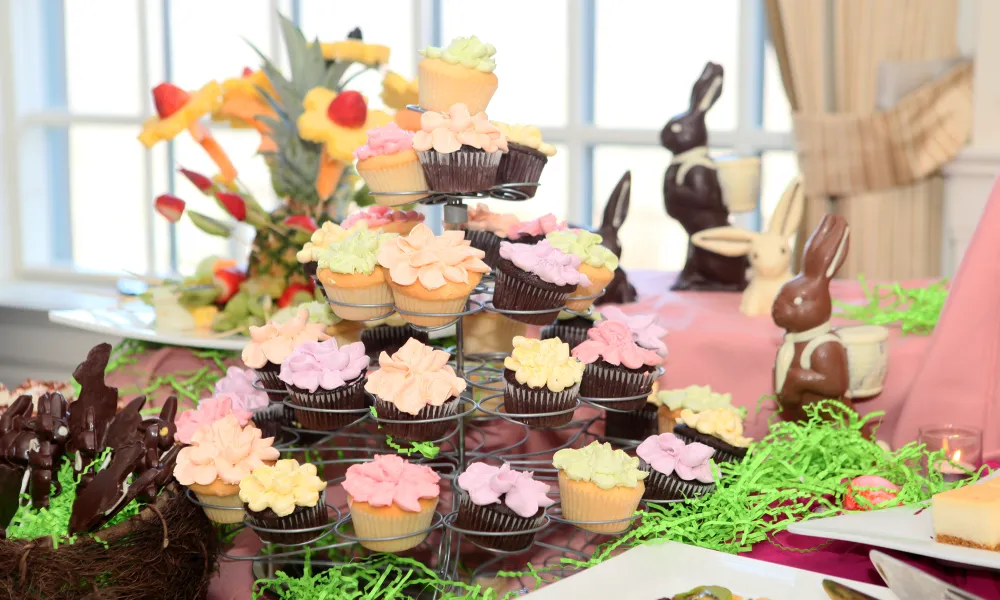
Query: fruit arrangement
x,y
309,125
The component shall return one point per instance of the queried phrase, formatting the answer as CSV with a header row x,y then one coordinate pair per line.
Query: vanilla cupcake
x,y
308,256
386,220
462,72
486,229
526,156
459,152
389,164
220,456
598,483
596,262
350,274
431,274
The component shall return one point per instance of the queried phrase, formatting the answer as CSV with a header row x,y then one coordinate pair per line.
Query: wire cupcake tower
x,y
480,417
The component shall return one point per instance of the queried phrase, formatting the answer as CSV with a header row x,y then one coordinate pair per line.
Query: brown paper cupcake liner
x,y
310,268
570,331
465,170
416,432
520,399
724,452
671,487
270,418
350,396
519,290
389,339
604,380
632,425
521,164
268,376
529,240
496,518
303,517
488,242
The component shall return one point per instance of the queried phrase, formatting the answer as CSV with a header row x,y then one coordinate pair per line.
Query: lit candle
x,y
956,469
961,446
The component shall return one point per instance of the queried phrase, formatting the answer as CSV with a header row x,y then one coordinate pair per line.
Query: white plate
x,y
906,528
134,320
658,571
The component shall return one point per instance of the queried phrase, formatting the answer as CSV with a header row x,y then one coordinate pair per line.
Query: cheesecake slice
x,y
968,516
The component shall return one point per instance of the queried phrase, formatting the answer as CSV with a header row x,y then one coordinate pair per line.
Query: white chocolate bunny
x,y
770,252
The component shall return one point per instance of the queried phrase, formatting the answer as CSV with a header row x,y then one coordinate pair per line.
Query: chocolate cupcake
x,y
526,156
541,377
501,500
271,418
633,424
532,232
271,344
571,328
534,278
677,469
485,230
286,496
416,384
388,336
459,152
616,367
320,376
719,428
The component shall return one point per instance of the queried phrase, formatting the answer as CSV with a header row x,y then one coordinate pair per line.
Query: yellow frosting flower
x,y
723,423
165,127
588,246
538,363
357,51
698,398
282,487
526,135
341,128
328,234
601,465
397,91
243,102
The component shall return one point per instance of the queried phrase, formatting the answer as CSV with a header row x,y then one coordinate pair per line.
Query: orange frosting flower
x,y
414,377
432,260
273,342
448,133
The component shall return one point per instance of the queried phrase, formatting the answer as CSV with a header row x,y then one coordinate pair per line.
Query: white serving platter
x,y
657,571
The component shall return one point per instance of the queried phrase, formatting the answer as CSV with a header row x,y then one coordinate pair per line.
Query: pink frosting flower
x,y
238,384
389,139
209,411
550,264
481,218
223,450
668,454
415,376
388,480
377,216
433,260
521,493
646,330
448,133
543,225
612,341
315,365
273,343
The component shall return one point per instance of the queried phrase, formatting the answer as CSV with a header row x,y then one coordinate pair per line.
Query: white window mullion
x,y
750,78
10,255
145,85
580,24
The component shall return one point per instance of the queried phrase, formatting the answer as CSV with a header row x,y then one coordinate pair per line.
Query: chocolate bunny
x,y
692,194
811,364
619,291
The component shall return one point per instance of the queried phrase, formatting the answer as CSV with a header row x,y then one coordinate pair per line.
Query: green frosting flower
x,y
586,245
355,253
469,52
319,312
601,465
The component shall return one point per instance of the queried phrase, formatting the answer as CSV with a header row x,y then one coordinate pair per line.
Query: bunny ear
x,y
617,207
827,247
727,241
169,410
707,89
788,214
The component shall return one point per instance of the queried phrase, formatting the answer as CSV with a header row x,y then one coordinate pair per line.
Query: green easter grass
x,y
915,310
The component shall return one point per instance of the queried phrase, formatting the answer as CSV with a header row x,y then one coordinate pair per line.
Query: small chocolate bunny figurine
x,y
619,291
692,194
811,364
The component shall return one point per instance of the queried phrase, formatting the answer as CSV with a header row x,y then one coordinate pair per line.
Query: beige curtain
x,y
878,166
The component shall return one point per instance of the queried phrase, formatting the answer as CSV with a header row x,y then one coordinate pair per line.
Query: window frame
x,y
580,134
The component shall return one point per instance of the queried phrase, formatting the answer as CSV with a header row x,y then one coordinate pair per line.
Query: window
x,y
600,77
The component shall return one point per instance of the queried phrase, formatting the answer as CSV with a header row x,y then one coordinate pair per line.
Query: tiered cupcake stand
x,y
480,420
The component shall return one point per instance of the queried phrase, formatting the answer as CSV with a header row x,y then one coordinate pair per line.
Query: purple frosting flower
x,y
315,365
550,264
238,383
646,331
520,491
668,454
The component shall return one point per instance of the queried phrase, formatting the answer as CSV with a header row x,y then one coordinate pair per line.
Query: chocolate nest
x,y
167,552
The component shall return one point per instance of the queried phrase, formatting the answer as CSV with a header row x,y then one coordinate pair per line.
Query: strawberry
x,y
247,71
878,491
348,109
228,281
234,204
204,184
301,223
293,290
171,207
168,99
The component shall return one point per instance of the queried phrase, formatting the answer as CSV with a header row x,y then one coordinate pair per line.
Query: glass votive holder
x,y
962,446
